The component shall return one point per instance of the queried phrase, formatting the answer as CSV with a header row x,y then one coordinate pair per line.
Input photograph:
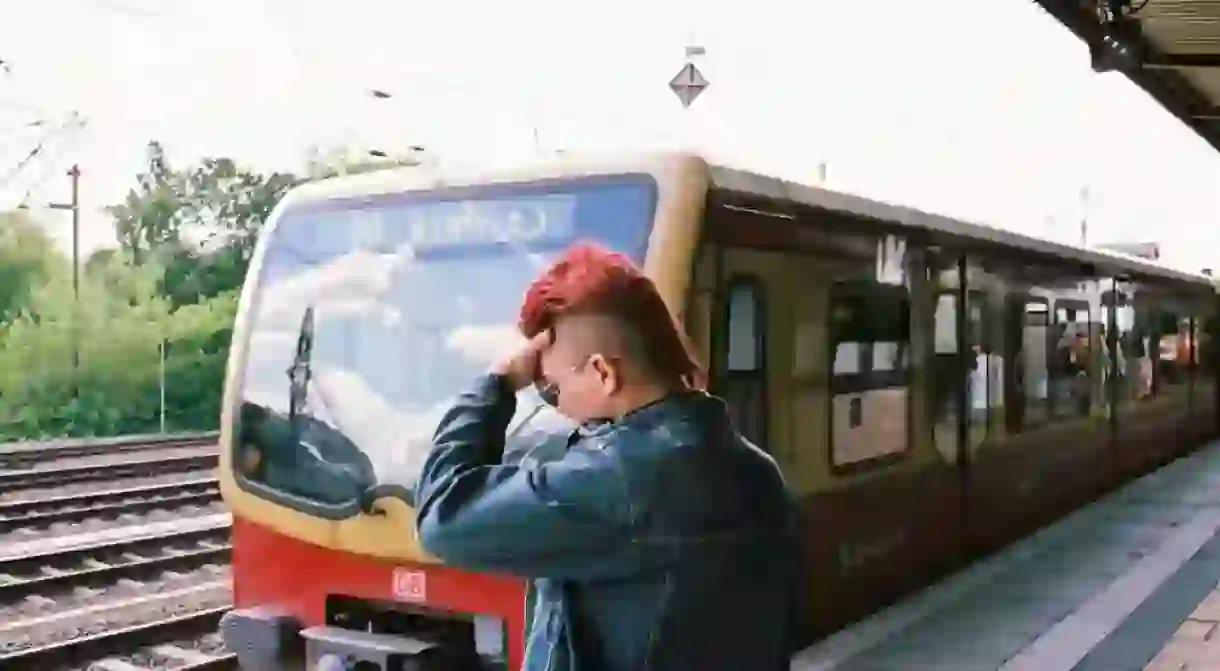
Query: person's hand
x,y
521,368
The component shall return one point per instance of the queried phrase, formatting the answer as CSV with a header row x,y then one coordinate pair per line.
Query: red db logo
x,y
410,585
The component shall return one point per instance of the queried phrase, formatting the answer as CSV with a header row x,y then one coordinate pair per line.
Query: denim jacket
x,y
664,541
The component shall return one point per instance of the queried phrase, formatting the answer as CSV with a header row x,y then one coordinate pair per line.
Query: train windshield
x,y
371,316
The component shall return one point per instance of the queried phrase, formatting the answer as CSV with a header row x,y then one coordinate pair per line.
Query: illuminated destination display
x,y
424,226
526,218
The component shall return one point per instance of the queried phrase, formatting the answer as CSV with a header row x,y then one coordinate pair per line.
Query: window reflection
x,y
870,335
1131,321
1075,344
366,327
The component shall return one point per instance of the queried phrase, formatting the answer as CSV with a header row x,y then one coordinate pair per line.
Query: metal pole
x,y
74,173
161,379
74,206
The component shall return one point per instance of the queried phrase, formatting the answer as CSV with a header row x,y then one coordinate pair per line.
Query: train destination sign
x,y
525,220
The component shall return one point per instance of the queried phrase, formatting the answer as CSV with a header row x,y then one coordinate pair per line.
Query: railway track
x,y
47,572
148,602
35,477
111,503
181,642
24,456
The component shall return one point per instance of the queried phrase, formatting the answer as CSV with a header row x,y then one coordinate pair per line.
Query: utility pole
x,y
74,173
74,206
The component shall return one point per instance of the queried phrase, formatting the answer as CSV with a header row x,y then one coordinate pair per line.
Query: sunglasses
x,y
549,393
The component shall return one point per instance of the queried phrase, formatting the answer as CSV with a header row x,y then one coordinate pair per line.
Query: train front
x,y
365,311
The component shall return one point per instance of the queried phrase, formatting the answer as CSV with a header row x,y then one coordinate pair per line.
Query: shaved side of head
x,y
611,307
610,336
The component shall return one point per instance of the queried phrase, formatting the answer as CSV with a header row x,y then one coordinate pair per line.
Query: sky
x,y
986,110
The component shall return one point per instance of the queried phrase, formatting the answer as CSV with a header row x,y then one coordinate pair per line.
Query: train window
x,y
985,379
1071,390
1191,347
946,378
371,315
1035,336
1203,346
744,381
870,376
1203,390
745,351
1172,367
956,367
1106,348
1132,323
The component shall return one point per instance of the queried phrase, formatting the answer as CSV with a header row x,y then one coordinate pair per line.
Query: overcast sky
x,y
981,109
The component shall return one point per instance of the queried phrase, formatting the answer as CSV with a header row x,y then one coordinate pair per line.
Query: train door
x,y
826,368
744,327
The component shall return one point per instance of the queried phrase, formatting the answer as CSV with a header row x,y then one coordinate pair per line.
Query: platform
x,y
1127,583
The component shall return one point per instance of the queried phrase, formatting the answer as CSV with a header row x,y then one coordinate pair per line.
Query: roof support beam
x,y
1164,84
1159,60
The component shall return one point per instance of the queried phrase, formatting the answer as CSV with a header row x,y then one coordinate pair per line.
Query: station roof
x,y
1169,48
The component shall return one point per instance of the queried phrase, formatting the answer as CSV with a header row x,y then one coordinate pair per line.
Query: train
x,y
933,389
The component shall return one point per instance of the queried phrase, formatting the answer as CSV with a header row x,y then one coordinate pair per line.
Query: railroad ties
x,y
114,556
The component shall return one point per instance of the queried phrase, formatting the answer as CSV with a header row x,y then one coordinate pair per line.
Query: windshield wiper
x,y
300,373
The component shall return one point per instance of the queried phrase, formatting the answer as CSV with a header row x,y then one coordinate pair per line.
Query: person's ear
x,y
607,373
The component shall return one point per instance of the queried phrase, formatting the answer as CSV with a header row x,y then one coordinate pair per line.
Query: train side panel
x,y
995,406
815,373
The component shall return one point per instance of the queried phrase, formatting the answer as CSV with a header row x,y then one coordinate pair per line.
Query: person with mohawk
x,y
662,539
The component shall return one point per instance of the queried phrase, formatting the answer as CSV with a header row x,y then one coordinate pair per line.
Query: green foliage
x,y
118,326
27,260
201,222
94,366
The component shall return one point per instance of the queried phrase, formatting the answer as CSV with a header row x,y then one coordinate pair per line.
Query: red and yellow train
x,y
932,389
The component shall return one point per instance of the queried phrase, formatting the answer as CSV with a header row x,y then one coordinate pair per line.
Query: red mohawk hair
x,y
588,279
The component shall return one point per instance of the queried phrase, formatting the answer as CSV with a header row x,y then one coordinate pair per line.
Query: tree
x,y
125,320
185,238
201,223
151,214
230,204
27,260
99,260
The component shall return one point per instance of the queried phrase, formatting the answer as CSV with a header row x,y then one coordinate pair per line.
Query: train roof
x,y
744,184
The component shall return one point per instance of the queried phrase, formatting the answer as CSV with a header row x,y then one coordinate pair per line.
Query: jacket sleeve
x,y
567,519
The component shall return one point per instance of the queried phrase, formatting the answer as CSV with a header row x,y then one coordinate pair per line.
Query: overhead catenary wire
x,y
53,165
52,140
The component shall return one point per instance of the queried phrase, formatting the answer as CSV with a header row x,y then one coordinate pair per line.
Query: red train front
x,y
309,603
370,303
